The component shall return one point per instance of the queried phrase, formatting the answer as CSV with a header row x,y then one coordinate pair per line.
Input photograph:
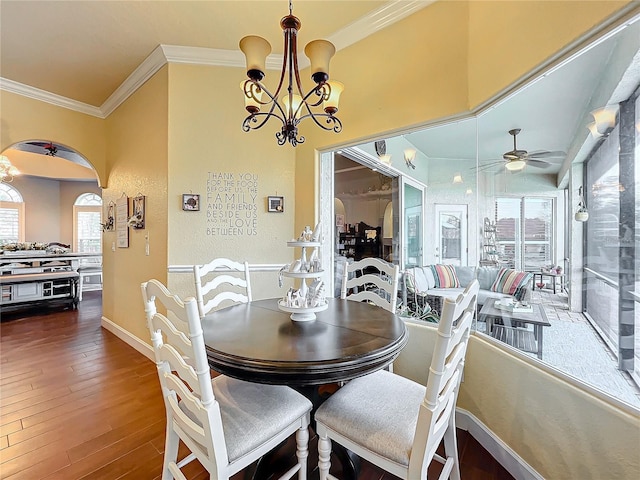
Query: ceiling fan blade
x,y
538,163
547,154
487,166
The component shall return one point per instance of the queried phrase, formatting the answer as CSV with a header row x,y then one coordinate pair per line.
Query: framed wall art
x,y
190,202
275,204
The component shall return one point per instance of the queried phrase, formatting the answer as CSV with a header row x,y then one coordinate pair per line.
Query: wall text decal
x,y
231,204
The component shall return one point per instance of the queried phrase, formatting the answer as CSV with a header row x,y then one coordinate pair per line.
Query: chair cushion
x,y
508,281
445,276
254,413
379,410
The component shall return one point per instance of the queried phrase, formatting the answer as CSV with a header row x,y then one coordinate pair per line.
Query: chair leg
x,y
80,283
324,456
170,451
302,451
451,448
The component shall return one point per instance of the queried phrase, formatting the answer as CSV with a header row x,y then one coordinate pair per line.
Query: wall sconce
x,y
385,158
604,120
582,215
409,157
109,223
457,178
469,191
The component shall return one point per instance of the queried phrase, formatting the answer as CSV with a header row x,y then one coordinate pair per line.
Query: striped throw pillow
x,y
445,276
508,281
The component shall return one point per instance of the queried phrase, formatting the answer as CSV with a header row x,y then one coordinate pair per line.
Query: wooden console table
x,y
34,288
28,278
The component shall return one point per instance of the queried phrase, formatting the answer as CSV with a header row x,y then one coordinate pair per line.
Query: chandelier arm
x,y
274,103
246,123
337,127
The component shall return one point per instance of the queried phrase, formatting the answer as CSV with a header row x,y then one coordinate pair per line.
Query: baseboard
x,y
510,460
128,338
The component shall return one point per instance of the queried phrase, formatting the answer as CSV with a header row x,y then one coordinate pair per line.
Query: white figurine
x,y
315,236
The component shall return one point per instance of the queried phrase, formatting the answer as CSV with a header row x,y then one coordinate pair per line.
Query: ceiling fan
x,y
517,159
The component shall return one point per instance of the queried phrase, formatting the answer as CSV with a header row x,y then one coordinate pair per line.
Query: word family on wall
x,y
231,204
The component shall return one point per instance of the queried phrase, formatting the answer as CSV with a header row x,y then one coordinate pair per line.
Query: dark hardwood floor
x,y
78,403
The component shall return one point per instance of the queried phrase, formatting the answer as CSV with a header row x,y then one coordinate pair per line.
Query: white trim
x,y
154,62
128,338
253,267
376,20
47,97
499,450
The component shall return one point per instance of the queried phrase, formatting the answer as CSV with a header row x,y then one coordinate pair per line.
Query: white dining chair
x,y
372,280
396,423
221,281
227,424
89,267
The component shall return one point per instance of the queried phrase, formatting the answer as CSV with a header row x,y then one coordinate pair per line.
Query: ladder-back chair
x,y
372,280
226,423
225,279
398,424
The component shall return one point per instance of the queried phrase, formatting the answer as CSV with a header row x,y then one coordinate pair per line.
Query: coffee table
x,y
504,325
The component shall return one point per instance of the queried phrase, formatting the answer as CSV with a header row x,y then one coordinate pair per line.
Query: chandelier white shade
x,y
288,103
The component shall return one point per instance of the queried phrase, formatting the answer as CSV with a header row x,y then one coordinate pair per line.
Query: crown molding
x,y
376,20
150,65
52,98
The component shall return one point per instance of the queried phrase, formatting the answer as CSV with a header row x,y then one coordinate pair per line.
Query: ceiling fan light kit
x,y
515,165
294,105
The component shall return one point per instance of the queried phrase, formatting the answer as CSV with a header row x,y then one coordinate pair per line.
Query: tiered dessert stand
x,y
308,299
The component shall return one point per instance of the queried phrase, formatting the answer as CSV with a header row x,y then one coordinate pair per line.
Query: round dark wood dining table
x,y
260,343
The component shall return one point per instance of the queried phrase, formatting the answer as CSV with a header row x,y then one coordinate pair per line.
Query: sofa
x,y
434,283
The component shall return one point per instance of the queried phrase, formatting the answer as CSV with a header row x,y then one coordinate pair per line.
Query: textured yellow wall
x,y
137,152
562,431
210,155
24,119
508,39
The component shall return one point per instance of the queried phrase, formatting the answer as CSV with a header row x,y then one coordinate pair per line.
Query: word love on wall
x,y
231,204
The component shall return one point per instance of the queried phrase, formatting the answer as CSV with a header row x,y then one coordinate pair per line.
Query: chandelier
x,y
288,103
7,170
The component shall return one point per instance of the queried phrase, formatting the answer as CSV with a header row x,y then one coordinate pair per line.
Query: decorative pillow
x,y
508,281
445,276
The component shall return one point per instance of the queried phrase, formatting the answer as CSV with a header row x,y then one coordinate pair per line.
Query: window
x,y
525,244
87,219
11,215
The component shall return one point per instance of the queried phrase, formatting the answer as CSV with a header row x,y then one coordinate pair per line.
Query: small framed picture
x,y
190,202
275,204
339,220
